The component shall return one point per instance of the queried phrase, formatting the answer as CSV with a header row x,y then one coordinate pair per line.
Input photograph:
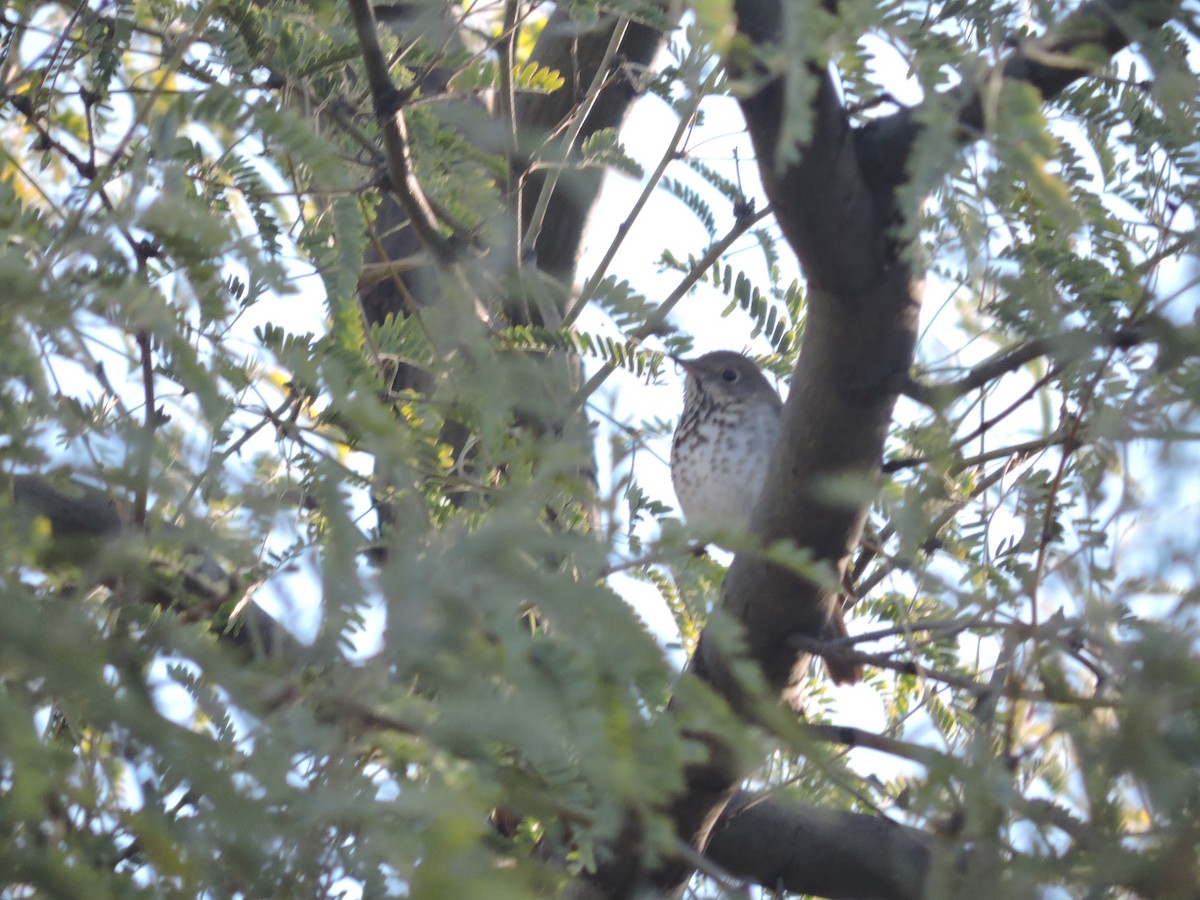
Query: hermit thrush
x,y
721,449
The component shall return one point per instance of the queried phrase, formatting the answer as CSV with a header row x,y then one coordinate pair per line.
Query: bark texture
x,y
824,852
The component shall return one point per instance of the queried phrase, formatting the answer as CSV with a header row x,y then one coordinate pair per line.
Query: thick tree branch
x,y
1084,43
828,853
1081,46
822,202
580,57
858,341
83,521
859,337
387,101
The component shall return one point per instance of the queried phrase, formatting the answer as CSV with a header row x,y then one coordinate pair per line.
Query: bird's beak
x,y
688,365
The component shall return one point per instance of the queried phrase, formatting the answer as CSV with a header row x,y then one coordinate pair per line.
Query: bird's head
x,y
725,377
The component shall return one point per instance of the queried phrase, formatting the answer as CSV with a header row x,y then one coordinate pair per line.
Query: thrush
x,y
720,453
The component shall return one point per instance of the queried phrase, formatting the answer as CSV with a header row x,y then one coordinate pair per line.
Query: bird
x,y
724,438
721,449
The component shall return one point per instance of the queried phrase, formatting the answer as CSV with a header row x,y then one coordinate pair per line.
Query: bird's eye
x,y
730,375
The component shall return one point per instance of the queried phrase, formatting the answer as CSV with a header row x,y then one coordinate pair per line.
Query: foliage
x,y
461,703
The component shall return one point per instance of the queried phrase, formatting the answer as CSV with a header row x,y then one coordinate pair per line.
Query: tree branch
x,y
387,102
822,201
83,521
829,853
537,218
1084,42
1066,347
658,316
578,56
859,337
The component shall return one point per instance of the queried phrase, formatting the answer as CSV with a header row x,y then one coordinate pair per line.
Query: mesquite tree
x,y
303,604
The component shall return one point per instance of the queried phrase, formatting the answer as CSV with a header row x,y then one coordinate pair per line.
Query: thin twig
x,y
849,736
146,454
668,155
373,273
46,141
655,320
939,522
978,689
269,416
1073,429
1013,450
529,240
506,100
180,45
1066,347
943,627
729,884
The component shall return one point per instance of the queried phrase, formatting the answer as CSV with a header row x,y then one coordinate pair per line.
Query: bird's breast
x,y
719,462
